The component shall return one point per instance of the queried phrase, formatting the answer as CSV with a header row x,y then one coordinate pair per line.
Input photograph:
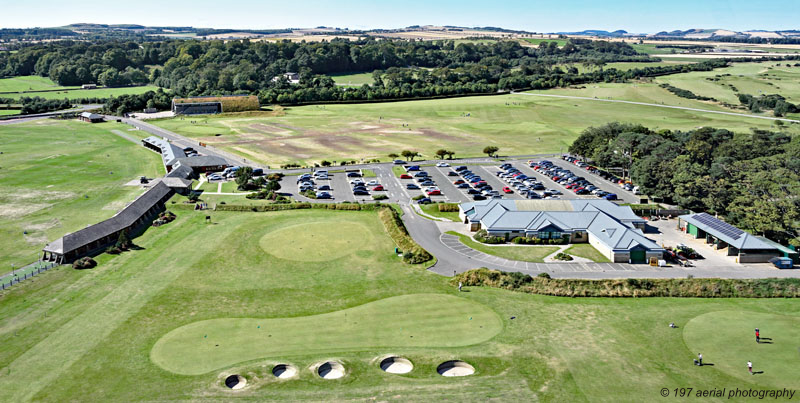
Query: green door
x,y
691,229
638,256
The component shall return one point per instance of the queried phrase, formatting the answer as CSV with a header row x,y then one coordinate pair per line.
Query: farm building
x,y
88,86
291,78
208,105
90,117
615,231
721,235
95,238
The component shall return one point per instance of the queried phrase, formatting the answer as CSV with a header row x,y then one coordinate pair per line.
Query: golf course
x,y
200,302
519,124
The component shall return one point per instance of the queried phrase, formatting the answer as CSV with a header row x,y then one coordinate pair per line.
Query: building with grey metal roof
x,y
613,230
746,247
173,157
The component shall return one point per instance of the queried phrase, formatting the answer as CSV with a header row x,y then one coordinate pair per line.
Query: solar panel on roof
x,y
718,225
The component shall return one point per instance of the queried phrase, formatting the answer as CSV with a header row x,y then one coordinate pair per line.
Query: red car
x,y
405,176
434,193
507,189
458,182
570,186
379,187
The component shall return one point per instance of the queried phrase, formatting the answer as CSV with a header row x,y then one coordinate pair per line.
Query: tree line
x,y
750,179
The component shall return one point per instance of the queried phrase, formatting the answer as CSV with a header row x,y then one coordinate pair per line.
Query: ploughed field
x,y
322,292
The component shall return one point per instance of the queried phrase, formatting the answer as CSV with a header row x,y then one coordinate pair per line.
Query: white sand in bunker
x,y
455,368
396,365
284,371
235,382
330,370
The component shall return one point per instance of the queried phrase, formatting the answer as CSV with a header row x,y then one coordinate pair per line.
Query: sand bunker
x,y
396,365
330,370
455,368
284,371
235,382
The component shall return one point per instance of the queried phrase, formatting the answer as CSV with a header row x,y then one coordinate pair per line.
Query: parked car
x,y
411,186
442,164
473,191
478,197
463,186
373,183
425,200
412,168
506,189
461,168
610,196
458,182
323,195
353,175
434,192
420,174
324,187
360,193
405,176
378,188
399,162
214,177
452,173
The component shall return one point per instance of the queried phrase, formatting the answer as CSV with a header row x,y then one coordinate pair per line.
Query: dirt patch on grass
x,y
28,194
16,210
268,129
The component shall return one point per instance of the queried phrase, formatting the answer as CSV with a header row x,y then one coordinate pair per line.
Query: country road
x,y
656,105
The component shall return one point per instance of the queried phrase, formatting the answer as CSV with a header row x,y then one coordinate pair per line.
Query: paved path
x,y
656,105
35,116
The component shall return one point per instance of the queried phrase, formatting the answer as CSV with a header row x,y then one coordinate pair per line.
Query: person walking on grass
x,y
700,359
758,336
459,286
750,367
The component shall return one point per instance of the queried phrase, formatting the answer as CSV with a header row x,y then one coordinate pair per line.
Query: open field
x,y
59,176
433,210
106,331
7,112
354,79
79,93
747,78
28,83
516,123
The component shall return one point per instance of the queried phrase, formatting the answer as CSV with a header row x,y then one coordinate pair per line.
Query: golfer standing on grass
x,y
758,337
459,286
750,367
700,359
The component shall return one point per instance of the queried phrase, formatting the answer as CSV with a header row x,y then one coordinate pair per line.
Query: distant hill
x,y
597,32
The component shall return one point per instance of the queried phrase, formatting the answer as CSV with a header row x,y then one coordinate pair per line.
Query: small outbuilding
x,y
90,117
746,247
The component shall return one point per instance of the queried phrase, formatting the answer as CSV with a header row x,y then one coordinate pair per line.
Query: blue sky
x,y
532,15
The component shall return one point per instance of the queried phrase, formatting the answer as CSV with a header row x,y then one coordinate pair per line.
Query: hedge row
x,y
412,252
448,207
688,287
300,206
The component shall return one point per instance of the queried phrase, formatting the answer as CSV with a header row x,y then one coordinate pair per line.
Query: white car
x,y
356,182
214,177
373,183
431,188
442,164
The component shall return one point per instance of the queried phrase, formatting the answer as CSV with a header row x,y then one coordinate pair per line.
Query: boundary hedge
x,y
683,287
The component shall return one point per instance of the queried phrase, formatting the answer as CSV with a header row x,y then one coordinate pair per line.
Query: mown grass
x,y
80,93
354,79
433,210
28,83
586,251
527,253
71,335
60,176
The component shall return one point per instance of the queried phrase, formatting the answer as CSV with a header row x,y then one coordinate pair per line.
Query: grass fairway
x,y
727,339
406,321
59,176
747,78
97,341
517,124
527,253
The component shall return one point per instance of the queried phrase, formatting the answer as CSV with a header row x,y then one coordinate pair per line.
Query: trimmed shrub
x,y
688,287
483,237
412,252
84,263
448,207
563,256
380,197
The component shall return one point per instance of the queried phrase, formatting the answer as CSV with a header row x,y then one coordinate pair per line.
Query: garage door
x,y
638,256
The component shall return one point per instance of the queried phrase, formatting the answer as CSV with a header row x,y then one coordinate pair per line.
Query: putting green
x,y
727,339
414,320
315,241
